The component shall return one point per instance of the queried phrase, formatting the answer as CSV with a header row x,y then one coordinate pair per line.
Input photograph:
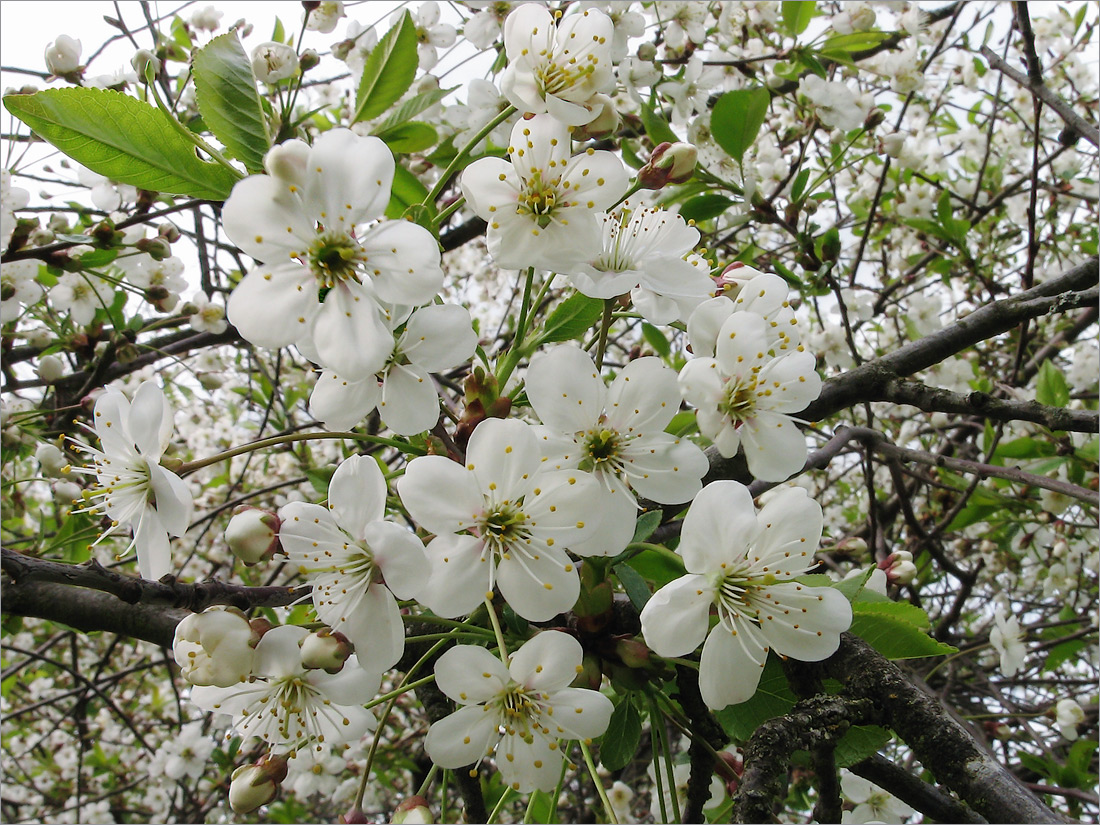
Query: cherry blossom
x,y
307,221
518,710
555,69
542,208
355,561
617,434
503,519
745,564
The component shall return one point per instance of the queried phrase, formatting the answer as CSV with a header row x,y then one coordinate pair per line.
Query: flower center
x,y
538,199
602,451
553,78
334,257
739,400
518,710
503,526
734,595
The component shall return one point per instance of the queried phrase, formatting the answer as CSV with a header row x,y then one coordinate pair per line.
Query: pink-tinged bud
x,y
414,809
354,816
669,163
253,534
602,125
326,650
899,567
733,277
169,231
308,59
257,784
156,248
63,56
632,653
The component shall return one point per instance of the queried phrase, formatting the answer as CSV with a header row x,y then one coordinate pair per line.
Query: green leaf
x,y
411,108
705,207
407,191
624,732
773,698
858,743
572,317
409,137
646,524
633,584
225,92
659,568
896,630
854,42
1051,387
737,118
123,139
389,71
797,14
1063,653
656,127
656,339
799,185
319,477
540,807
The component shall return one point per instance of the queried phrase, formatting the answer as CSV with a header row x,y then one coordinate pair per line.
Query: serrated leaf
x,y
409,137
633,584
797,14
773,698
646,524
389,71
624,732
737,118
896,630
123,139
227,98
572,317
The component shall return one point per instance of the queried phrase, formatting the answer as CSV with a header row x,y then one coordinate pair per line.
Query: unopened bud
x,y
669,163
414,809
142,60
210,380
326,650
215,647
169,231
602,125
632,653
253,534
899,567
873,119
63,56
50,368
52,461
893,144
259,627
257,784
733,277
287,161
647,52
41,237
730,767
308,59
342,49
39,338
353,816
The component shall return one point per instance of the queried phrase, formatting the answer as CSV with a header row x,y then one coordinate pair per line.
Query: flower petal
x,y
731,664
565,389
441,495
462,738
803,622
154,552
580,713
774,447
540,586
349,333
549,661
266,220
273,306
403,261
173,497
409,402
357,494
341,404
643,397
529,765
399,554
665,468
502,454
675,619
469,674
439,336
278,653
348,178
789,529
150,420
459,575
718,527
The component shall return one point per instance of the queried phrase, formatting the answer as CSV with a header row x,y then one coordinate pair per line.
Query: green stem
x,y
427,783
511,359
634,188
654,718
605,325
503,649
441,218
404,688
274,441
657,725
500,804
599,785
464,153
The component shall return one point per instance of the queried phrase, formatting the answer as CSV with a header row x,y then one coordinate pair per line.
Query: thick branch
x,y
27,570
928,799
940,742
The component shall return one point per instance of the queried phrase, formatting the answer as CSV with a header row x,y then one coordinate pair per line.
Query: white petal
x,y
701,383
643,397
665,468
307,531
462,738
371,620
470,674
340,404
400,556
357,493
278,653
153,549
348,178
705,323
258,214
539,587
765,294
501,452
804,622
528,29
459,575
599,178
112,412
792,381
619,512
730,665
150,420
174,502
790,526
775,448
565,389
717,528
580,713
441,495
409,403
439,336
403,261
549,661
675,619
486,190
354,684
564,505
273,306
528,766
349,333
742,345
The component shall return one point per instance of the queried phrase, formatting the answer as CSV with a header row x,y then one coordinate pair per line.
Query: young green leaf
x,y
572,317
389,71
896,630
414,136
226,94
797,14
737,118
646,524
123,139
624,732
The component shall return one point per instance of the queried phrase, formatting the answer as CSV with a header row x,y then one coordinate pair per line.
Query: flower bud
x,y
733,277
253,534
1068,715
272,62
210,380
413,809
50,368
326,650
353,816
647,52
632,653
257,784
893,144
215,647
308,59
169,231
604,124
52,461
899,567
142,60
873,119
63,56
39,338
156,248
669,163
